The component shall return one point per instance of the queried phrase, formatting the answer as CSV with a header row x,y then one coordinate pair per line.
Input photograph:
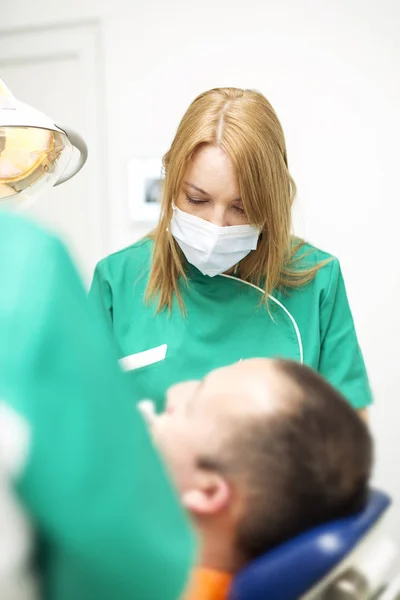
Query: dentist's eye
x,y
195,201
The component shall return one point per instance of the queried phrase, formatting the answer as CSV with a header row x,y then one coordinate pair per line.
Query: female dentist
x,y
221,278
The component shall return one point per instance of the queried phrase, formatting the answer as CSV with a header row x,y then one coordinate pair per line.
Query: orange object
x,y
207,584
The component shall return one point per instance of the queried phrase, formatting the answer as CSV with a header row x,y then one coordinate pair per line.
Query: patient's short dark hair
x,y
306,464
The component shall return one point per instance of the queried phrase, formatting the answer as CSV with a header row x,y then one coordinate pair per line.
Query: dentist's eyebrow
x,y
197,189
194,187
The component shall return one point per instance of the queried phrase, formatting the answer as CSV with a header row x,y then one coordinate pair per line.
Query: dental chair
x,y
350,559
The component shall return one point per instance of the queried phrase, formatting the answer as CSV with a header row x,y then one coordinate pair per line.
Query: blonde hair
x,y
246,127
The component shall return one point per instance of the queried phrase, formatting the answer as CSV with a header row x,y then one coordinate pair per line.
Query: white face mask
x,y
212,249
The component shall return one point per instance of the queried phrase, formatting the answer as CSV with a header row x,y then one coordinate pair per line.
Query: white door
x,y
57,70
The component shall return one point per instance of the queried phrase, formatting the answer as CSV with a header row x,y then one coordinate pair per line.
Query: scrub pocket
x,y
144,359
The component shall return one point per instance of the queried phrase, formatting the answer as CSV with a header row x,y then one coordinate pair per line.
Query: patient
x,y
260,451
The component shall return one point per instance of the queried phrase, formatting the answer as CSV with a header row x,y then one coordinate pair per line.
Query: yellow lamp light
x,y
35,154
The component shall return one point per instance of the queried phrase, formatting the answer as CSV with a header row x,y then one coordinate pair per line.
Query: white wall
x,y
331,69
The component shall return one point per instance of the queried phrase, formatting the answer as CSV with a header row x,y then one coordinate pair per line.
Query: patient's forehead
x,y
247,387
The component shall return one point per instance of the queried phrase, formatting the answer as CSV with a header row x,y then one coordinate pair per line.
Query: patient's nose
x,y
179,394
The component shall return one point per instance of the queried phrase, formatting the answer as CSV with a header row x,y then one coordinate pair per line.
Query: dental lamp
x,y
35,154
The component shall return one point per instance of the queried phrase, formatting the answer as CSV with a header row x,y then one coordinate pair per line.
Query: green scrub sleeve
x,y
341,361
109,520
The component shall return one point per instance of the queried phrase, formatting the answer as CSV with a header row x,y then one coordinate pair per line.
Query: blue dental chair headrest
x,y
294,568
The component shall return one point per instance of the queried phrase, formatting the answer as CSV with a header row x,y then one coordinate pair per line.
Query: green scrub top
x,y
108,522
226,321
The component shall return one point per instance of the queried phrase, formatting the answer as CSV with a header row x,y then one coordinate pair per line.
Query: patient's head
x,y
261,451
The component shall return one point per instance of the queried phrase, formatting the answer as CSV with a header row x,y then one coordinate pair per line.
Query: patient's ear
x,y
210,494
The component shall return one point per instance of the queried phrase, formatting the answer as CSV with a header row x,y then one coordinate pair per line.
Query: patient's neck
x,y
217,552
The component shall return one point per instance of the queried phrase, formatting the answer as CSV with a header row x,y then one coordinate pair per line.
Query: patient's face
x,y
200,415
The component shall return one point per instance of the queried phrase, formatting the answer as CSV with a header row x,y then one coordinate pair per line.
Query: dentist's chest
x,y
224,321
